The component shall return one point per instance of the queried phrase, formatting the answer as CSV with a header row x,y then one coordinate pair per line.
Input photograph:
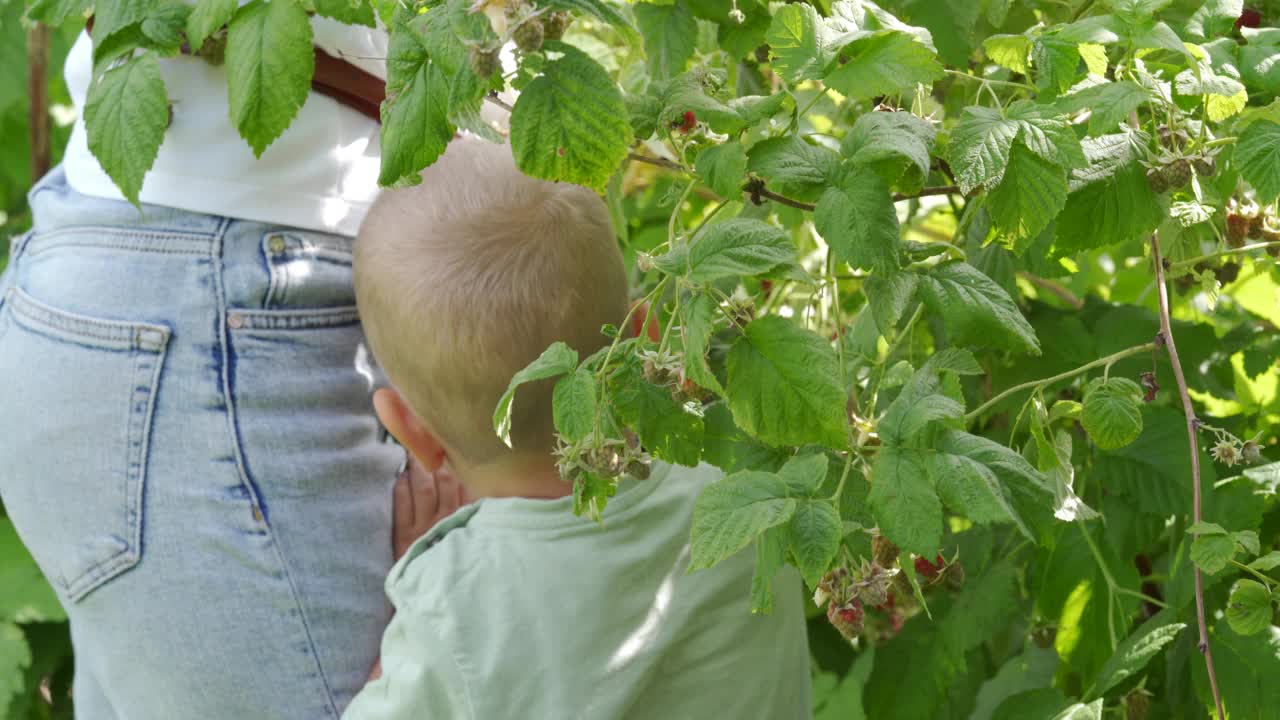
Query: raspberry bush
x,y
975,302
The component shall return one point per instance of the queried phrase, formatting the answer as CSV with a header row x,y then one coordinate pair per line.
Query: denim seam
x,y
224,339
298,319
125,336
35,242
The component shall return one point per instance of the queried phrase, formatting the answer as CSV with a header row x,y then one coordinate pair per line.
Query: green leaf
x,y
125,114
970,488
669,35
975,309
888,297
1055,60
602,10
415,118
771,555
1135,652
979,147
1031,194
670,430
1223,95
741,246
1247,666
1206,528
1214,18
878,136
1257,153
1111,201
1248,540
883,64
798,41
573,405
113,16
570,123
724,168
1095,58
558,359
1010,51
805,474
1112,414
270,61
1249,607
793,166
207,17
56,12
731,512
466,97
164,26
815,537
784,385
728,447
15,657
345,11
1267,562
904,503
1212,552
858,220
696,327
912,411
1109,104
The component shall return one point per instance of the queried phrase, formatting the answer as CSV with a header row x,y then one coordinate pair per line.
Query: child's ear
x,y
400,420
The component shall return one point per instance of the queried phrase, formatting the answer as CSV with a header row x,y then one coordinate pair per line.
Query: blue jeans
x,y
188,449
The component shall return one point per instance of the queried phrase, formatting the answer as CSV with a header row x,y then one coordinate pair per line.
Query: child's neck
x,y
528,476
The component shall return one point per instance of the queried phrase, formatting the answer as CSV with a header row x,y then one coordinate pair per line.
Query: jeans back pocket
x,y
75,420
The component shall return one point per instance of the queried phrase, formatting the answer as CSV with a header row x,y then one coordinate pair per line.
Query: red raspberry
x,y
687,124
928,569
1250,18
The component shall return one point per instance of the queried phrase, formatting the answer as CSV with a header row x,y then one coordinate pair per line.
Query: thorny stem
x,y
1190,262
1107,361
1166,335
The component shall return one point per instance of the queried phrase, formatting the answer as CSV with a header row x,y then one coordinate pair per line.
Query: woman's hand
x,y
421,499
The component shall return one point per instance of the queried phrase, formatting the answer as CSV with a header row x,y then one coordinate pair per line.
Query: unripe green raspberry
x,y
528,35
554,25
214,49
484,63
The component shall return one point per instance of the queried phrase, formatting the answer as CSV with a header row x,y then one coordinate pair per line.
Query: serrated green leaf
x,y
798,41
113,16
1112,415
570,123
56,12
1249,607
270,60
771,555
972,489
784,385
1055,60
911,412
1111,201
573,405
25,596
878,136
1135,652
1257,154
1095,58
1212,552
804,474
1031,194
696,327
793,166
741,246
888,298
206,18
858,221
975,309
1214,18
125,114
1267,562
345,11
466,97
415,124
669,35
1010,51
904,503
883,64
670,430
724,168
979,147
728,447
732,512
1109,104
1206,528
815,530
164,27
1246,667
1248,540
558,359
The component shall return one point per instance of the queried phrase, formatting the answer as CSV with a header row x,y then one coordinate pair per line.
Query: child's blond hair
x,y
465,279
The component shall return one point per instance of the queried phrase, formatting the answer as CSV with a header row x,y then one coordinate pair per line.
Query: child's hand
x,y
421,499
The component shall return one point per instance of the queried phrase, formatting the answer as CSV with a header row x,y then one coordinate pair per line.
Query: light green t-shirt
x,y
516,608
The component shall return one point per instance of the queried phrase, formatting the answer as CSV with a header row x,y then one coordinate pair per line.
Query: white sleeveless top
x,y
321,174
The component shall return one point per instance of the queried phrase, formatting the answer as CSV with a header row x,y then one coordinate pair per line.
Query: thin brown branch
x,y
493,98
784,200
1193,425
660,162
38,92
1055,288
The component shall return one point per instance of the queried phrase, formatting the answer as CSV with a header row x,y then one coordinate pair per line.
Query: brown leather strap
x,y
338,79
